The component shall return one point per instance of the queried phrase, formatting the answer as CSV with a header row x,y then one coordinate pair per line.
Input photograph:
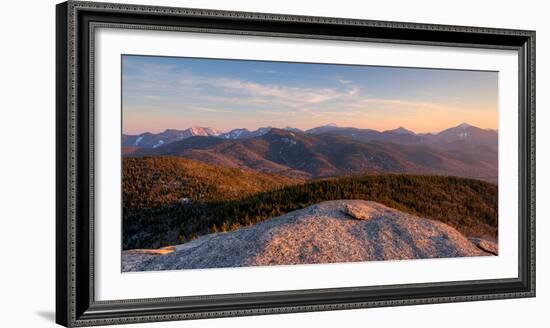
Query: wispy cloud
x,y
209,110
367,102
269,71
353,91
231,90
197,91
276,92
270,112
264,71
344,81
220,94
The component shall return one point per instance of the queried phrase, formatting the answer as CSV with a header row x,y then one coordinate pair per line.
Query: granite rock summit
x,y
328,232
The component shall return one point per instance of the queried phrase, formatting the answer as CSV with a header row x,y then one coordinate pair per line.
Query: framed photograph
x,y
214,163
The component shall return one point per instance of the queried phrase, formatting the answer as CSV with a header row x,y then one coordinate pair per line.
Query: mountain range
x,y
401,135
330,150
152,140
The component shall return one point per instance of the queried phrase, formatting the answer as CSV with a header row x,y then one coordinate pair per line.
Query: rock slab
x,y
328,232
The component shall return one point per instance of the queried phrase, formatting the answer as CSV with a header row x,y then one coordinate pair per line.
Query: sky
x,y
160,93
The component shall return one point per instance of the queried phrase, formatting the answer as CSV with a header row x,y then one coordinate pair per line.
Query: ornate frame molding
x,y
76,25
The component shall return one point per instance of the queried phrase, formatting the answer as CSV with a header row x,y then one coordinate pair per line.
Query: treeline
x,y
466,204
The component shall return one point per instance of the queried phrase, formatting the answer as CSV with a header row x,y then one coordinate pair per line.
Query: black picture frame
x,y
75,302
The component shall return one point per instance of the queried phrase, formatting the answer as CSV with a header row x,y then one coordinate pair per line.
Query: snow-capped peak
x,y
203,131
243,133
234,134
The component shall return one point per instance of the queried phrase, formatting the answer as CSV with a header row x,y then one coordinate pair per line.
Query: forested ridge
x,y
169,200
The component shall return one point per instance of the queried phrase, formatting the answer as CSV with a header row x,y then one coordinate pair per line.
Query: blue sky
x,y
168,92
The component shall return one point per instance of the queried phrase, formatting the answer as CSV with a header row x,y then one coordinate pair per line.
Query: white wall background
x,y
27,181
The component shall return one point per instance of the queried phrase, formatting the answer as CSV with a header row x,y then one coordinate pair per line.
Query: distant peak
x,y
203,131
275,130
280,132
332,125
289,128
464,125
401,130
264,129
169,132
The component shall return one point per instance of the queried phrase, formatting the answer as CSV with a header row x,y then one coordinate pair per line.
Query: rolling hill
x,y
156,181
